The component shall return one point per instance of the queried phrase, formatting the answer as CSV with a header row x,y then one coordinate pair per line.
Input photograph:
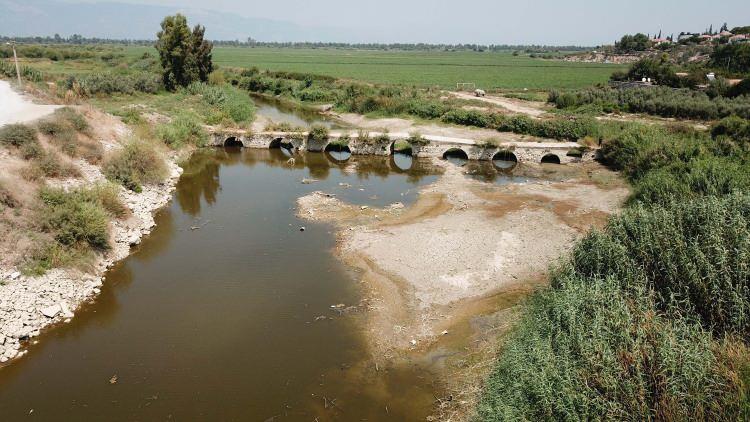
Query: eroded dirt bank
x,y
442,275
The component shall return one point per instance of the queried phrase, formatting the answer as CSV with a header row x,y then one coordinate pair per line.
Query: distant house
x,y
739,38
725,34
659,41
686,36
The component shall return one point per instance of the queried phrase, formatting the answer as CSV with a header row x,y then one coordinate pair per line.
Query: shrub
x,y
318,133
130,116
74,218
137,163
734,127
468,118
50,165
183,129
383,138
75,119
91,151
51,127
7,198
17,135
238,106
661,101
113,83
31,150
282,127
416,138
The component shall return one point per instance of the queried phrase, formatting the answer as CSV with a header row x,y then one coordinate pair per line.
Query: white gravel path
x,y
15,108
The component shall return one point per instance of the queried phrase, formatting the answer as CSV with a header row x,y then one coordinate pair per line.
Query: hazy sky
x,y
558,22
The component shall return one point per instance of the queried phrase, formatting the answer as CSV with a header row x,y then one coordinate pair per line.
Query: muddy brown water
x,y
282,112
219,322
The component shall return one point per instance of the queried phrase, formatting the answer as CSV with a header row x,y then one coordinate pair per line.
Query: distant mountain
x,y
130,21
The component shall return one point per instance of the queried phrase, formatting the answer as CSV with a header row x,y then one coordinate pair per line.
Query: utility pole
x,y
12,44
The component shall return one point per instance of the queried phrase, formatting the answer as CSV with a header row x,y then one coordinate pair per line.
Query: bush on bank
x,y
184,129
659,101
77,221
135,165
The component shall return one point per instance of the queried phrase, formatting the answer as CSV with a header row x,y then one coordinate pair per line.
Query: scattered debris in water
x,y
308,181
302,228
113,380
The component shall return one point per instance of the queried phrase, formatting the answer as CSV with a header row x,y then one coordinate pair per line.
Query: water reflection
x,y
402,161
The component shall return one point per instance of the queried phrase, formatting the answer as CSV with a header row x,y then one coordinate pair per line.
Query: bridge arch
x,y
505,159
401,146
233,141
276,143
457,153
550,159
338,152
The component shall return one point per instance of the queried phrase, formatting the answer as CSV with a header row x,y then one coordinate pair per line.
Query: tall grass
x,y
649,318
588,350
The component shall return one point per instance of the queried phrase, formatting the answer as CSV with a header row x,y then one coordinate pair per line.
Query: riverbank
x,y
30,304
442,274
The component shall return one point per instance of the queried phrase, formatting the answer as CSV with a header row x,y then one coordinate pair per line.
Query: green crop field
x,y
444,69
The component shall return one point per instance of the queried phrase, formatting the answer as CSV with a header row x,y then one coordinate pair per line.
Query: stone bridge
x,y
434,146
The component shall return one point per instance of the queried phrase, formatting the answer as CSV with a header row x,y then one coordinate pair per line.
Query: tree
x,y
200,53
724,27
732,57
630,43
185,56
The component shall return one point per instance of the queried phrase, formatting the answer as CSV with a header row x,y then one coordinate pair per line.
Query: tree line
x,y
81,40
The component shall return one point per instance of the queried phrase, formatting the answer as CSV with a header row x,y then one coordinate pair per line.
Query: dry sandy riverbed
x,y
464,249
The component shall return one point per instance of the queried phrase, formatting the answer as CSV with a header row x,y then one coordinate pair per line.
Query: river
x,y
224,311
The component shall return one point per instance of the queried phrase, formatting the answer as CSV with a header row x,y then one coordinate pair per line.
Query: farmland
x,y
487,70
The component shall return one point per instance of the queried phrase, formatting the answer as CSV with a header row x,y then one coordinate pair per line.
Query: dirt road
x,y
15,108
529,108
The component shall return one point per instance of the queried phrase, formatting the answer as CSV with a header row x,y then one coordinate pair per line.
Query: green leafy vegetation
x,y
659,101
185,56
136,164
648,318
490,70
633,43
319,133
184,129
78,222
112,83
